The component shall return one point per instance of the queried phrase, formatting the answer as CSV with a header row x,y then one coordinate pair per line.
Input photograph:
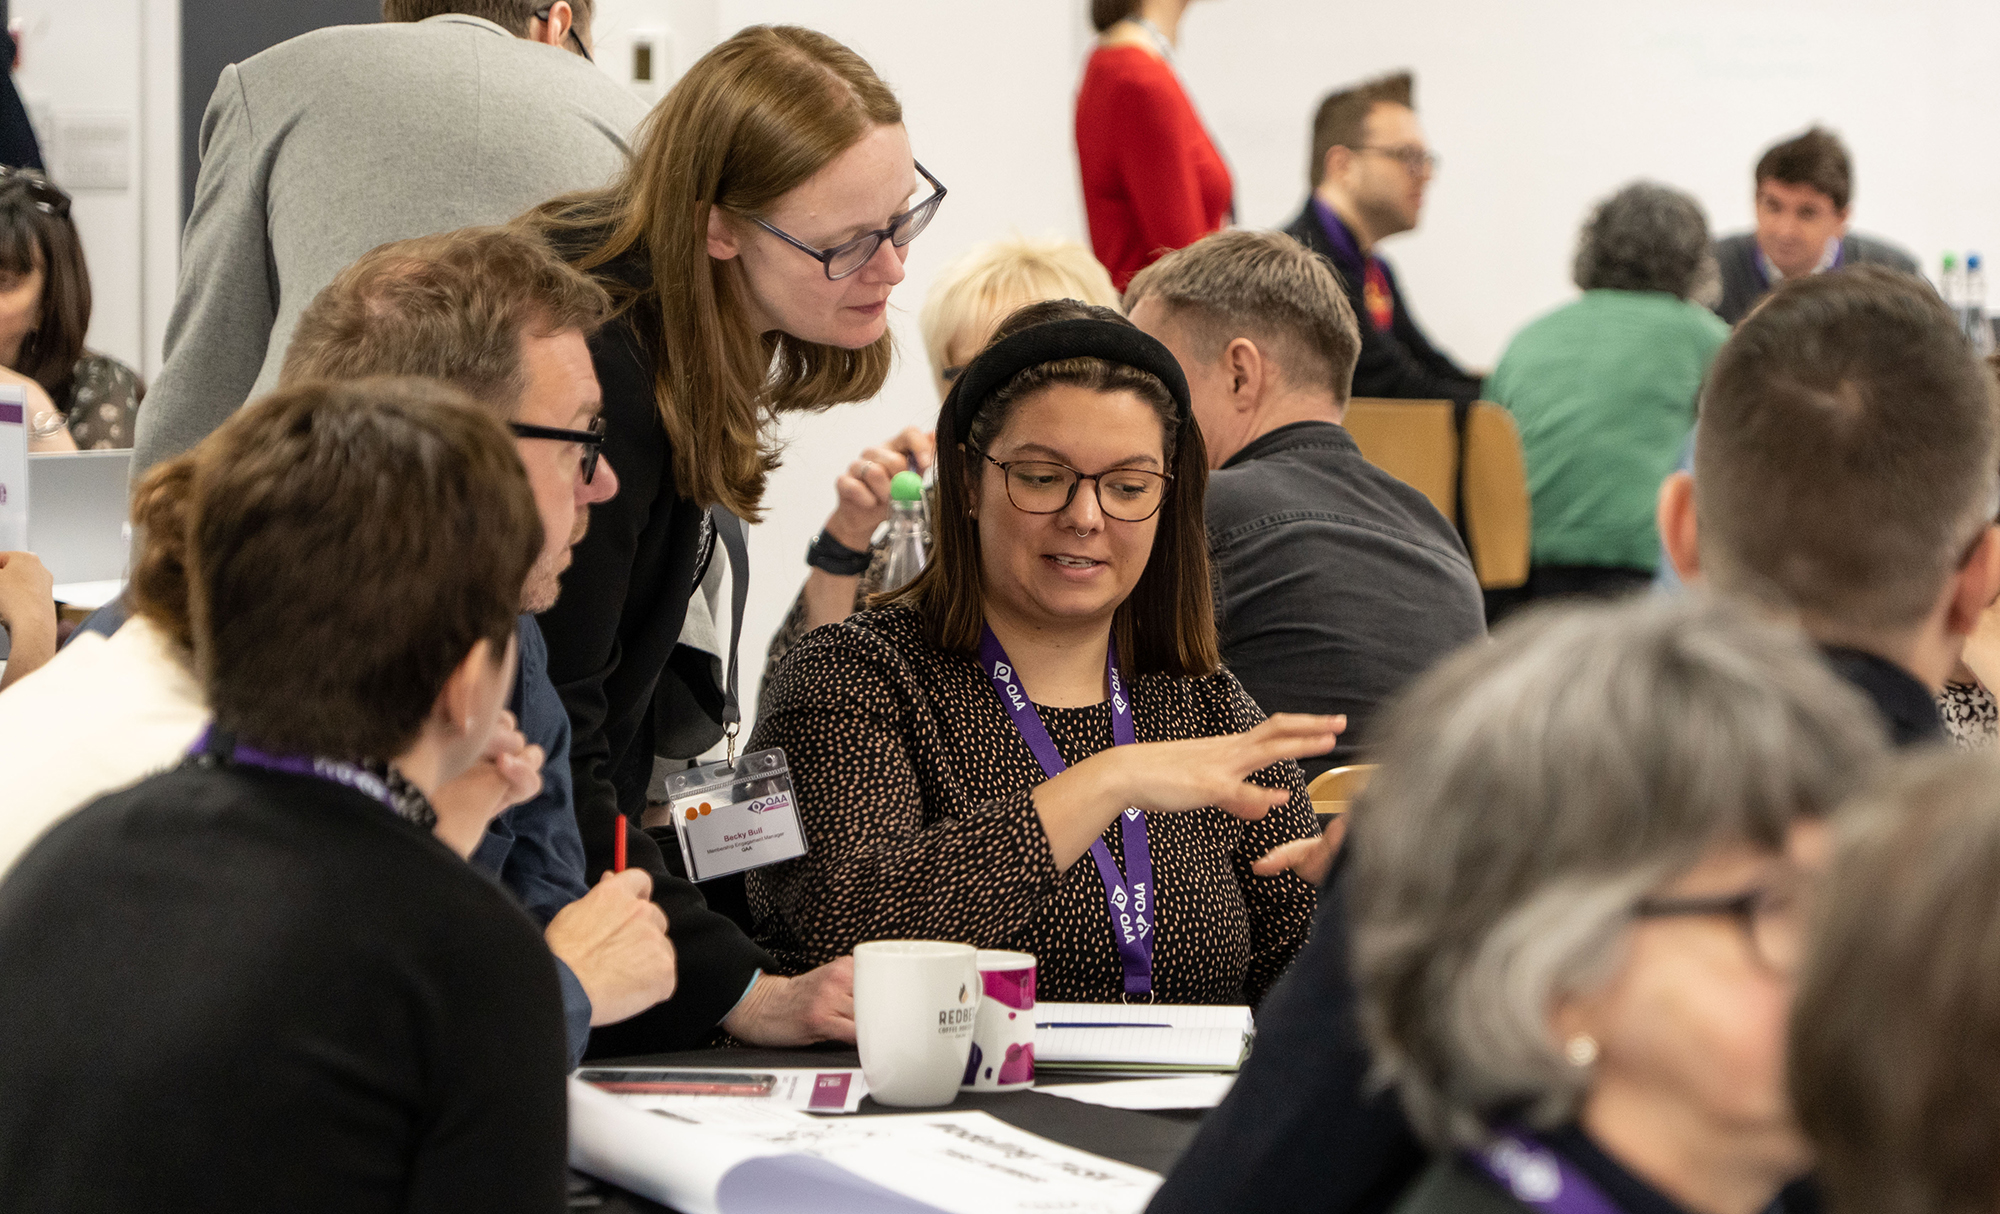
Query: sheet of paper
x,y
753,1157
1173,1092
815,1090
1154,1034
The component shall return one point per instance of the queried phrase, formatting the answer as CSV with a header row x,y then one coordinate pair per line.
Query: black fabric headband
x,y
1053,342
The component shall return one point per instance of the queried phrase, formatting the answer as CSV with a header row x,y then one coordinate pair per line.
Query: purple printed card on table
x,y
13,468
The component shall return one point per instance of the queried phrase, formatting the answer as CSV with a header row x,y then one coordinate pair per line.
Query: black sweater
x,y
237,990
610,636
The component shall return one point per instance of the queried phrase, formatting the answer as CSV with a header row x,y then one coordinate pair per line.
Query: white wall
x,y
1537,107
115,60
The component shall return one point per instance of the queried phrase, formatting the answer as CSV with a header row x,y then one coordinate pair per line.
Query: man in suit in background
x,y
452,113
1369,168
1805,188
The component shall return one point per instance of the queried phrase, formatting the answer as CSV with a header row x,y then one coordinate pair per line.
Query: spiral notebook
x,y
1141,1039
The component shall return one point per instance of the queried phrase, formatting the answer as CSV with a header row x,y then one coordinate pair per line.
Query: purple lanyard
x,y
1538,1177
224,747
1128,895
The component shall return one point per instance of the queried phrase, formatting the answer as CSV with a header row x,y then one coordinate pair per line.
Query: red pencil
x,y
618,846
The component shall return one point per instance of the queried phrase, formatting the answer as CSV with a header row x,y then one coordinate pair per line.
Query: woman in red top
x,y
1152,178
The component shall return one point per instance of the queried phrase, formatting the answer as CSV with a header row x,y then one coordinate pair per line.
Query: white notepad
x,y
1142,1037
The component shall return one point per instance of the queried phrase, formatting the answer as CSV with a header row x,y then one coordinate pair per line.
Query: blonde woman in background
x,y
966,303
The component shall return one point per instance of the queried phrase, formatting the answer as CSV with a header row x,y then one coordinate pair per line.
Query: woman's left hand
x,y
1310,858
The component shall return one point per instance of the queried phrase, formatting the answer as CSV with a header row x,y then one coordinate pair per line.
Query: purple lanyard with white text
x,y
1538,1177
218,745
1128,895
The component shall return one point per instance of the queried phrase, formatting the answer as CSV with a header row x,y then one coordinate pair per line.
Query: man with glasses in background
x,y
1369,168
449,114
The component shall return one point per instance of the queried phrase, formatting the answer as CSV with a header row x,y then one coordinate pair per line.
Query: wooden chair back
x,y
1418,442
1333,789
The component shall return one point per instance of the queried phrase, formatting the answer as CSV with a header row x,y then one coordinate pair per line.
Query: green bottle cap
x,y
906,487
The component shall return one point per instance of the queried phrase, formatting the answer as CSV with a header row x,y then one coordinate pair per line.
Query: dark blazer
x,y
1401,363
1743,282
610,636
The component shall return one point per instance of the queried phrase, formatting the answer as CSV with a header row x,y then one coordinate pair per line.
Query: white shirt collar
x,y
1827,257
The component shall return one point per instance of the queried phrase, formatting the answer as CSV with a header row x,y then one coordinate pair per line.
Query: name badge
x,y
731,817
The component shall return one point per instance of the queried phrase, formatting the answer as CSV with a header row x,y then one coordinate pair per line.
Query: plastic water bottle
x,y
1974,306
1951,285
906,530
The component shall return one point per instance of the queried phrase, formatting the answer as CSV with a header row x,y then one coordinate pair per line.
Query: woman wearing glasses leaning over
x,y
750,249
1033,745
1573,893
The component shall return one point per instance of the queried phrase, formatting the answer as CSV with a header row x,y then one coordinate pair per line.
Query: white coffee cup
x,y
915,1004
1003,1037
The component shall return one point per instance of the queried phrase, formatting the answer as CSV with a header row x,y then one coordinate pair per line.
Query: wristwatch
x,y
825,552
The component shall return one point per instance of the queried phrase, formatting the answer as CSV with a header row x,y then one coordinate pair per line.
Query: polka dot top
x,y
915,790
102,403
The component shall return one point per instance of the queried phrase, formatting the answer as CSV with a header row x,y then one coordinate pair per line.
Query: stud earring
x,y
1581,1050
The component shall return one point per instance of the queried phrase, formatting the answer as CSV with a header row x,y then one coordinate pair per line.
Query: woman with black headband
x,y
1048,689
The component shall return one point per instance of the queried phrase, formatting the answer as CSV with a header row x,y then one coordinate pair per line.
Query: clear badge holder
x,y
736,815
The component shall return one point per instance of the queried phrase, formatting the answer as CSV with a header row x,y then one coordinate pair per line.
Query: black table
x,y
1146,1140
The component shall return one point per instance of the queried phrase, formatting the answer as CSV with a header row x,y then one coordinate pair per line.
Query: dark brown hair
x,y
30,238
1343,116
1895,1027
1106,13
1167,624
451,307
750,121
347,546
157,587
1264,286
509,15
1846,451
1818,159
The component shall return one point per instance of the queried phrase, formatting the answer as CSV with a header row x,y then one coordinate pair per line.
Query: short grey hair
x,y
1647,237
1530,791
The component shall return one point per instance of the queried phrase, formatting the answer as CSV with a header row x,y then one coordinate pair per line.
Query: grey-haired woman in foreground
x,y
1573,907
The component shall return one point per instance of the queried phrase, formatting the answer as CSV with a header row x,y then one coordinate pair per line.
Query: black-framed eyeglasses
x,y
542,14
592,441
950,374
1418,161
42,194
850,255
1768,915
1130,495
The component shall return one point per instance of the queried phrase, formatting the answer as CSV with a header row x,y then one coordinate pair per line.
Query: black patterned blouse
x,y
1970,717
102,403
914,788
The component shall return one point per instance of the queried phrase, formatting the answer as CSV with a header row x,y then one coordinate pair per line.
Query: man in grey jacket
x,y
451,113
1805,187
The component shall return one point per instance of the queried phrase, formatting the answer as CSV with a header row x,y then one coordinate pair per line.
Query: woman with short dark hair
x,y
1048,689
267,979
1603,390
45,312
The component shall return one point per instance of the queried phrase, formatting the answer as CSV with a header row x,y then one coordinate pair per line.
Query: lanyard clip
x,y
729,731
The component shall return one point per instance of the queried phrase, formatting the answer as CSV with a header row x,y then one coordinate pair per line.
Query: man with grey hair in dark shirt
x,y
1337,583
